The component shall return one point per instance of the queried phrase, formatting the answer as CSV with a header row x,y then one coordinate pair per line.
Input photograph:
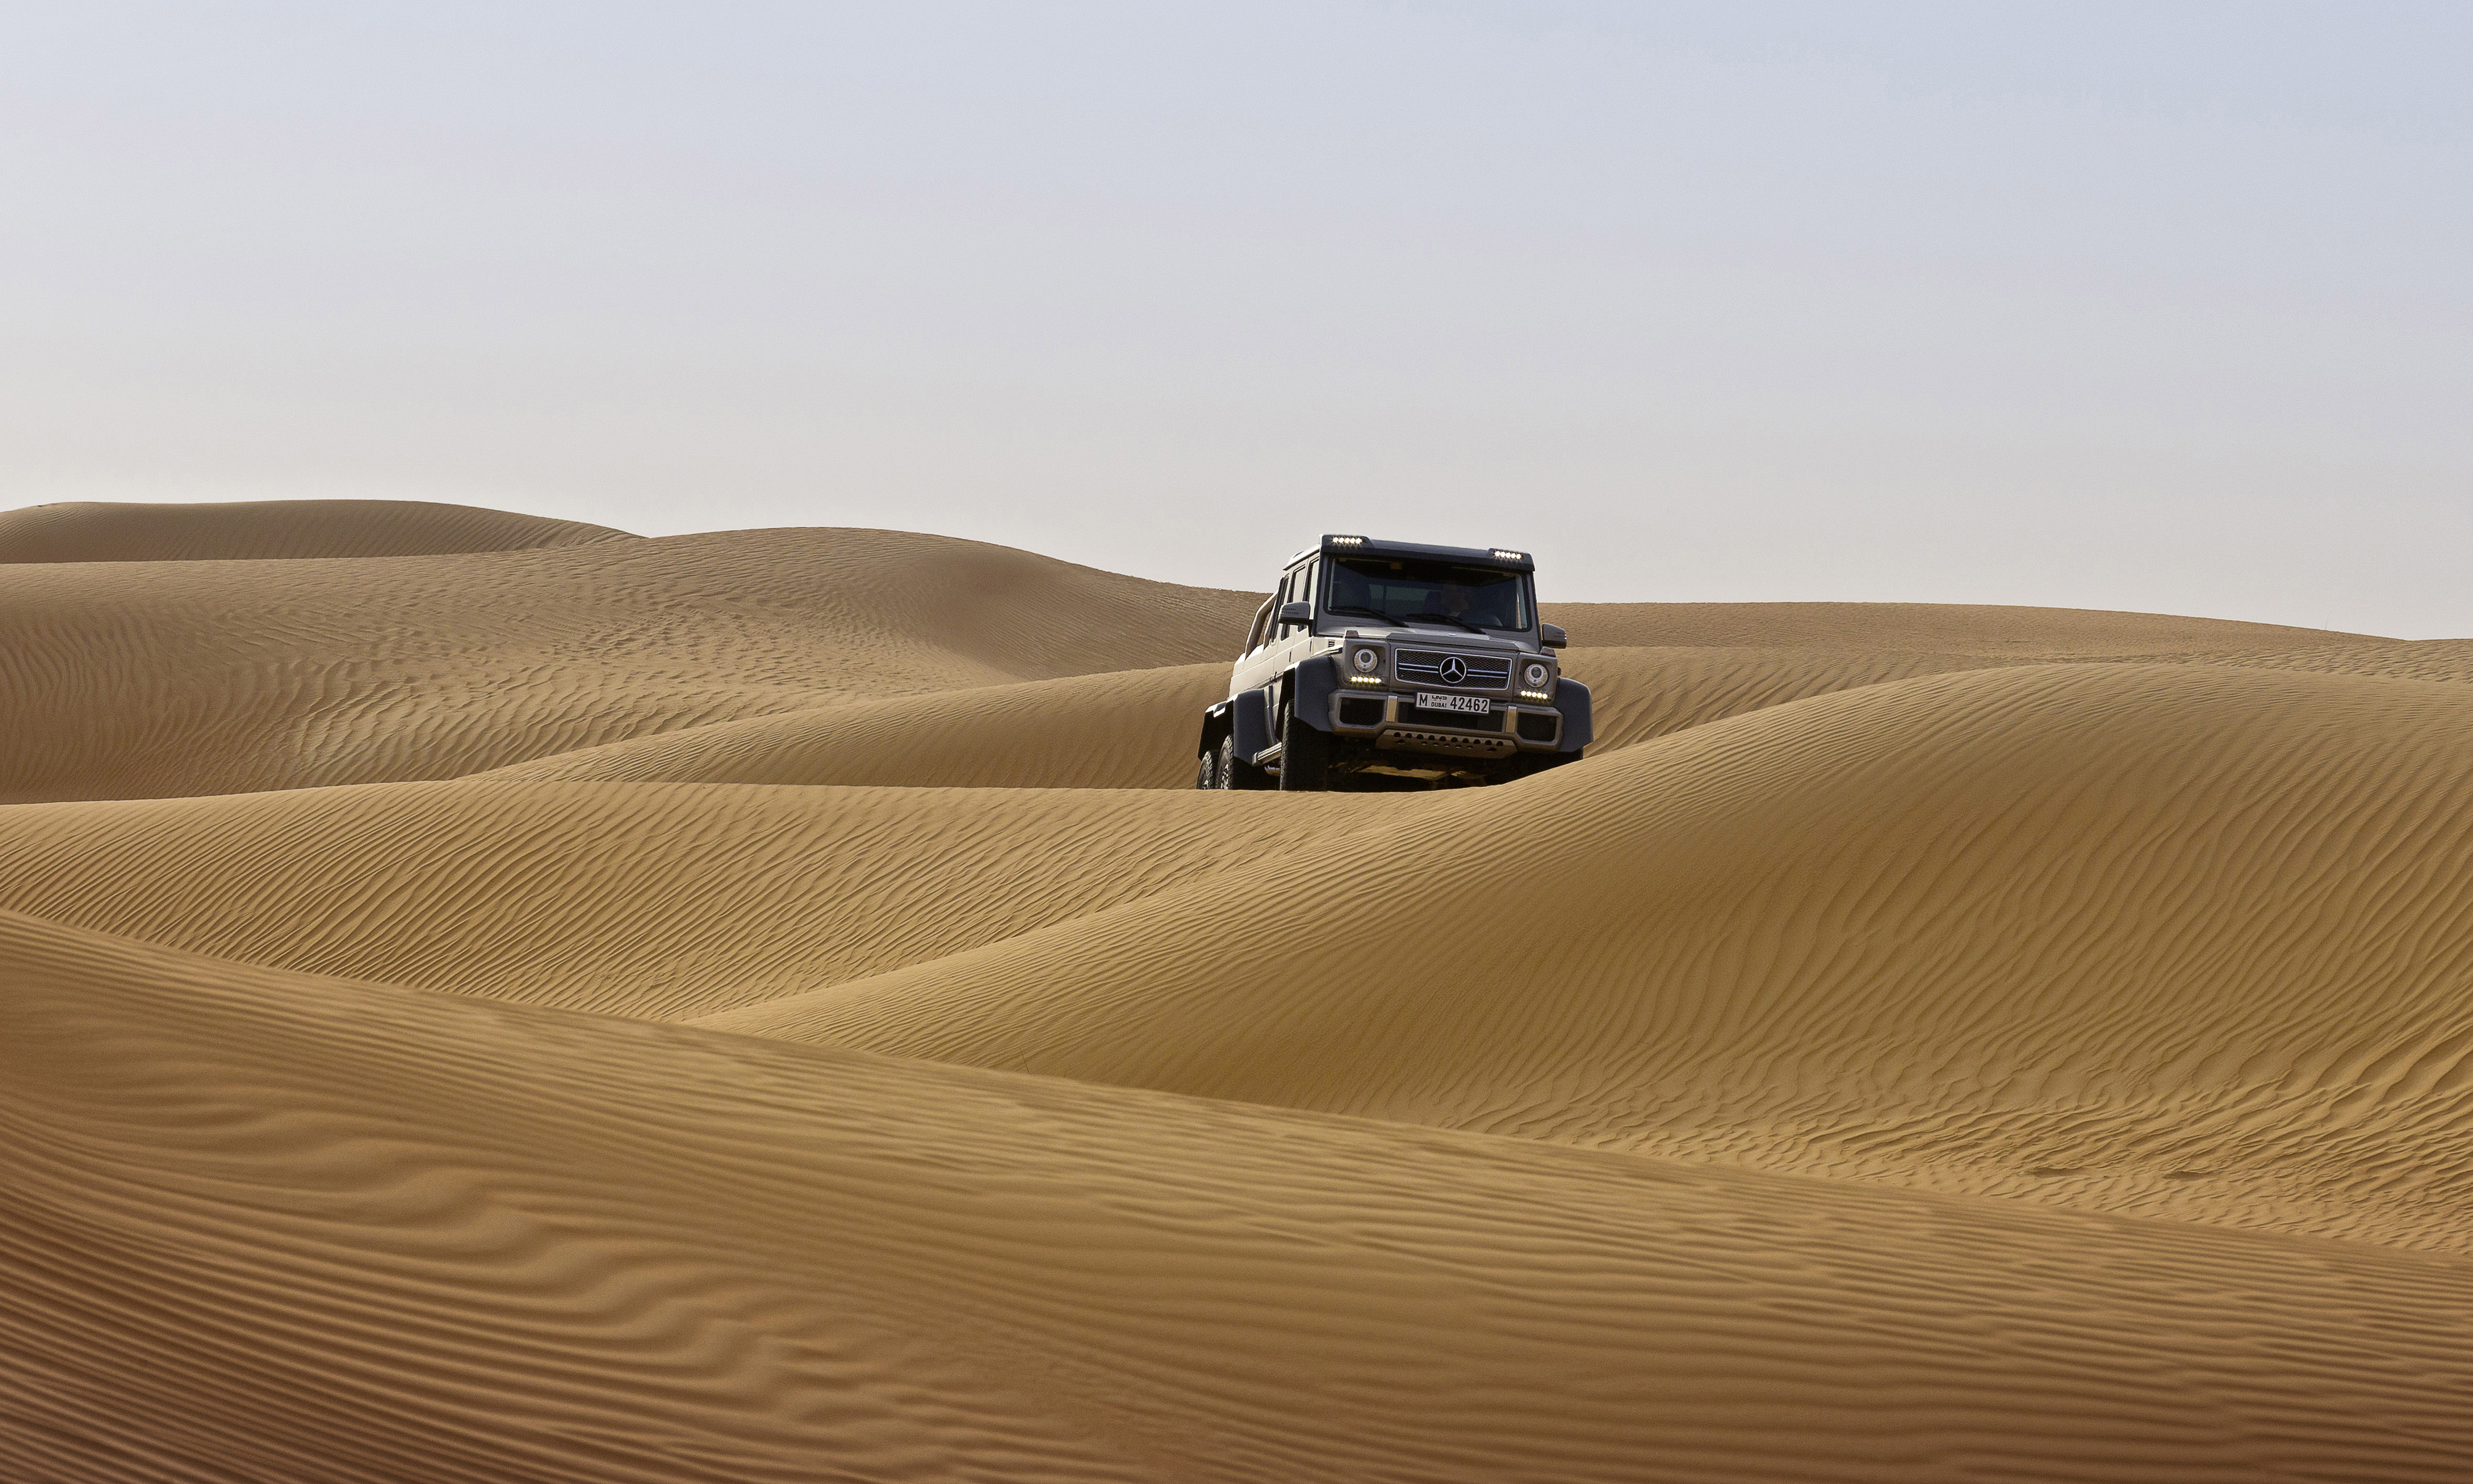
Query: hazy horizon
x,y
2085,306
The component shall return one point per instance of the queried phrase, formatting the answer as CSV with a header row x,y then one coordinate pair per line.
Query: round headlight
x,y
1535,676
1365,661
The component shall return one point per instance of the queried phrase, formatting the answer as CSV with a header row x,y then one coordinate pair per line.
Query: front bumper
x,y
1391,721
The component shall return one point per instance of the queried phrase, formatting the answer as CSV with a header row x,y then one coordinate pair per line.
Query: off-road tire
x,y
1207,774
1236,772
1305,758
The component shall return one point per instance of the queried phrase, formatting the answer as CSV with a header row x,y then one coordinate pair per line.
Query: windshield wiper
x,y
1446,618
1350,607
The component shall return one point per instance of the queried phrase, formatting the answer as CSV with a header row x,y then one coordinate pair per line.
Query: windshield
x,y
1440,592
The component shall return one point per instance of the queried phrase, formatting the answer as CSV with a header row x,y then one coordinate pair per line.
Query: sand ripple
x,y
334,1230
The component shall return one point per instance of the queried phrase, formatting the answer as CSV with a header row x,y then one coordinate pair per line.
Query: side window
x,y
1261,620
1291,590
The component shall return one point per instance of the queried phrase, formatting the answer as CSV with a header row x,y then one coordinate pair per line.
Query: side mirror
x,y
1554,636
1300,614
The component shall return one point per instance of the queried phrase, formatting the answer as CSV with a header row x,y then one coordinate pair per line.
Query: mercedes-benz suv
x,y
1392,664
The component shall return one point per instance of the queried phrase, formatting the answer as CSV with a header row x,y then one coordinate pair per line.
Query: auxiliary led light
x,y
1365,680
1509,555
1353,540
1535,695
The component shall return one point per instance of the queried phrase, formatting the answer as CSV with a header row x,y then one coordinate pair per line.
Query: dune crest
x,y
276,530
1968,628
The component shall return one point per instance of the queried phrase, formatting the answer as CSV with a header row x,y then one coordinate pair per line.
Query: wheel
x,y
1236,773
1206,774
1305,758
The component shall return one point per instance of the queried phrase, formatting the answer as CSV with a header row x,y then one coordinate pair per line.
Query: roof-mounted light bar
x,y
1355,546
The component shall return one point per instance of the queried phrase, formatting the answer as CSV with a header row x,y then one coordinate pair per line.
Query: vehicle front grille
x,y
1425,667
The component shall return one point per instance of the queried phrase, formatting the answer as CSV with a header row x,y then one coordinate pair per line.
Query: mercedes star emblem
x,y
1454,670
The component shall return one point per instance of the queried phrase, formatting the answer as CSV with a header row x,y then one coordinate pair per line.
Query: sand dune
x,y
1643,693
1134,728
2017,632
249,531
339,1230
658,900
2156,939
1137,729
2427,660
769,1005
1041,734
145,680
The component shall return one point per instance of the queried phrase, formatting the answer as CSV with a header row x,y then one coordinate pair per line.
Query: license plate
x,y
1436,700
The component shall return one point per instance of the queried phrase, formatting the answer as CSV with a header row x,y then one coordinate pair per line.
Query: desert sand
x,y
498,999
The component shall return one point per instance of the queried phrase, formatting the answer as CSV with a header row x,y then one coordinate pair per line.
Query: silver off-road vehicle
x,y
1390,665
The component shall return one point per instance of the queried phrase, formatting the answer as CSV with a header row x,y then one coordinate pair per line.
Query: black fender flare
x,y
1250,719
1571,699
1309,688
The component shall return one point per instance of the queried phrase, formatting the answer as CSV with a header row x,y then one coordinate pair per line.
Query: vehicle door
x,y
1292,643
1296,641
1241,676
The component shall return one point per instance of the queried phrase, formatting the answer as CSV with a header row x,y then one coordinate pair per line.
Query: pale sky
x,y
2144,306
